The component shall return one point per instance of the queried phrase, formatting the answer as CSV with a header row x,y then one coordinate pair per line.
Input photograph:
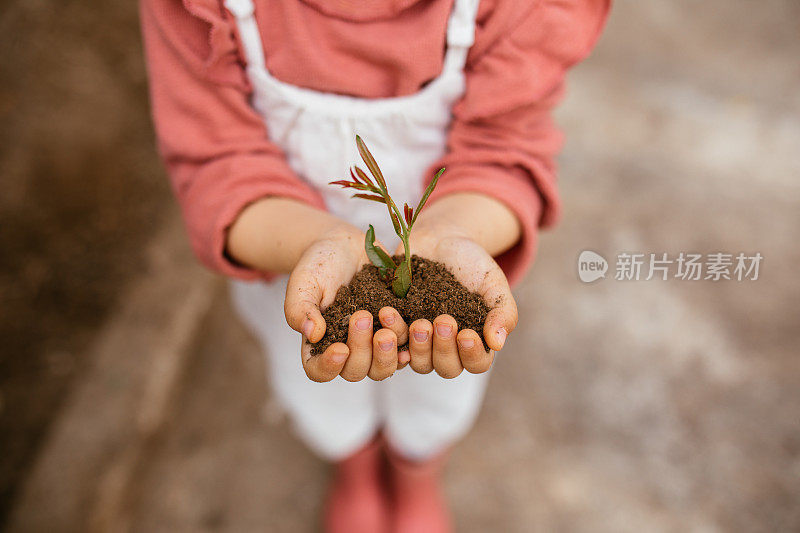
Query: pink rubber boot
x,y
418,503
358,500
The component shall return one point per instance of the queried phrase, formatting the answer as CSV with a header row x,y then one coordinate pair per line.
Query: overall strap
x,y
460,33
461,26
244,11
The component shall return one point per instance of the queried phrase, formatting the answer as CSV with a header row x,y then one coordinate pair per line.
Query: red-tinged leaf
x,y
372,165
396,223
363,175
426,194
352,185
374,198
355,178
407,213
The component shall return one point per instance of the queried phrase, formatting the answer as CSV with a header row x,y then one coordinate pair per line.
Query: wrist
x,y
441,220
271,234
425,237
345,234
473,216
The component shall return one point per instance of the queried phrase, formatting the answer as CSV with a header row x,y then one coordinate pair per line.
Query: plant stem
x,y
406,231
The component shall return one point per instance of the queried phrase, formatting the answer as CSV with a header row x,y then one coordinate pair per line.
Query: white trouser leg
x,y
334,419
424,413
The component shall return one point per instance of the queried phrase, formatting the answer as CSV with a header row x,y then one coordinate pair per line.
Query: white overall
x,y
420,414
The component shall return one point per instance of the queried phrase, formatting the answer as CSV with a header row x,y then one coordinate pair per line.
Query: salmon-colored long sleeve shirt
x,y
502,141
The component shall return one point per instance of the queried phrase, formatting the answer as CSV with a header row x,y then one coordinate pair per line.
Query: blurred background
x,y
132,400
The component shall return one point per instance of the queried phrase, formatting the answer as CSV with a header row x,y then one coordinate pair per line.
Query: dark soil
x,y
434,291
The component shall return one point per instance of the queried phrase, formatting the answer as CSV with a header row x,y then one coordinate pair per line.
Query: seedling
x,y
376,191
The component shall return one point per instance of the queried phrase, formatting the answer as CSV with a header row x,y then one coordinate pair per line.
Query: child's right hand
x,y
327,264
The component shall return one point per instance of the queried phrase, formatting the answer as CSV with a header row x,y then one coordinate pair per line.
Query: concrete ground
x,y
617,406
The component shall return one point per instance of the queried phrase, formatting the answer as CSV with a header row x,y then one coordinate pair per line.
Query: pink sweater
x,y
502,143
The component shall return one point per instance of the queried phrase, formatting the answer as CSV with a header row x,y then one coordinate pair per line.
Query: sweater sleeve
x,y
214,145
503,140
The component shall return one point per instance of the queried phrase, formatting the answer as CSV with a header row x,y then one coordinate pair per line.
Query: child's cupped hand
x,y
326,265
335,258
440,346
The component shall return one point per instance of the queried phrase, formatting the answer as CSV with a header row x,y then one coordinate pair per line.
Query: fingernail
x,y
308,328
388,319
501,336
338,357
363,324
404,357
420,336
386,345
467,343
444,330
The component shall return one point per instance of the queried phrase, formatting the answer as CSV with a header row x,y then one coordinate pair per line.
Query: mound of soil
x,y
434,291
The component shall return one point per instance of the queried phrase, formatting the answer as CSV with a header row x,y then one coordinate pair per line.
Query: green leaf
x,y
376,255
428,191
402,280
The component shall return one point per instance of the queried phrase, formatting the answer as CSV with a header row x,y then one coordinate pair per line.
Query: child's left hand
x,y
440,346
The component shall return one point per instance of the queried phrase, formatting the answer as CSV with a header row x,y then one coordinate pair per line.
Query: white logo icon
x,y
591,266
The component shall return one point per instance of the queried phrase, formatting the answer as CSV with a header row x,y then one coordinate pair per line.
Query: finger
x,y
384,354
327,365
301,307
359,341
445,353
403,358
474,358
503,317
390,318
419,345
499,323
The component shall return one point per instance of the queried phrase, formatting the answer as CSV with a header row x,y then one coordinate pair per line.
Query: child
x,y
256,105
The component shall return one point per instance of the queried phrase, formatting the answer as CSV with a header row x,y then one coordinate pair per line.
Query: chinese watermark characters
x,y
684,266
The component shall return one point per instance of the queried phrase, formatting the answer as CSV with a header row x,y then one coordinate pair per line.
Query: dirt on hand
x,y
434,291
